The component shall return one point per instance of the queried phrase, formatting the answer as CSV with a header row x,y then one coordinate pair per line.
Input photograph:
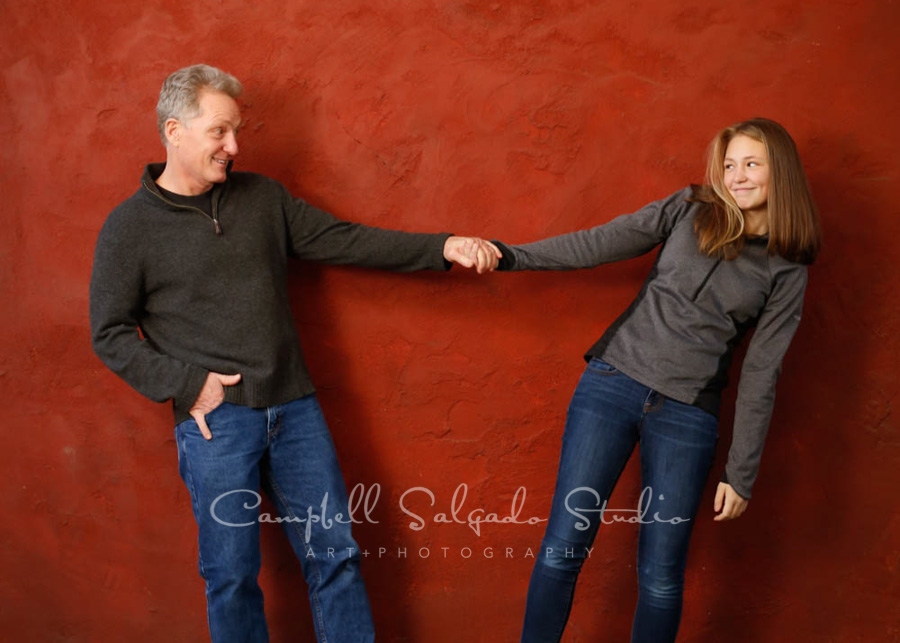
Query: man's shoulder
x,y
129,211
253,180
131,221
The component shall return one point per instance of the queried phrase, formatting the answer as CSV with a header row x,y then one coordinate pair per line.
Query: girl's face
x,y
747,173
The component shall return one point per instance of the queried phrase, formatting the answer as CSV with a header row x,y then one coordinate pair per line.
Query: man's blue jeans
x,y
609,414
286,450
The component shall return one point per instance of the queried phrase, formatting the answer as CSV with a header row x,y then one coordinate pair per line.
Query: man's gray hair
x,y
180,94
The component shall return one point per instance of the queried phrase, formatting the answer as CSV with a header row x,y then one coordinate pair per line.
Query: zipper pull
x,y
218,228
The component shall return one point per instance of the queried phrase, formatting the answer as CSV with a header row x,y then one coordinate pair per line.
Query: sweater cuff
x,y
741,493
508,260
189,393
445,265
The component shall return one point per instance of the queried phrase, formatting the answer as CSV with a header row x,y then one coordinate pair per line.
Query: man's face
x,y
202,146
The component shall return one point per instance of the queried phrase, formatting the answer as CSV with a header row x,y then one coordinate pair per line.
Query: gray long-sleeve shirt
x,y
678,335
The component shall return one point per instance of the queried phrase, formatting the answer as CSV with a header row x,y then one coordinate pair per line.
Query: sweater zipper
x,y
706,279
215,215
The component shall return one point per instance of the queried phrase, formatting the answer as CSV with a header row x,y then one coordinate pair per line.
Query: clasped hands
x,y
471,252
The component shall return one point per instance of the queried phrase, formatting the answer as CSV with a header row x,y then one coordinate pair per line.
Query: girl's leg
x,y
600,435
678,444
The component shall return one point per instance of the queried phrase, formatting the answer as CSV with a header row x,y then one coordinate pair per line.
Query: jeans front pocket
x,y
598,365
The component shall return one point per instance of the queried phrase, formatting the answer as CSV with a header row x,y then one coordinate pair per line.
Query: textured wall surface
x,y
513,120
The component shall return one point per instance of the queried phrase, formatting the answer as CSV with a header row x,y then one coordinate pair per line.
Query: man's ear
x,y
173,129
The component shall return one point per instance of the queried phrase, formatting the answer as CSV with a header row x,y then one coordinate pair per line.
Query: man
x,y
189,303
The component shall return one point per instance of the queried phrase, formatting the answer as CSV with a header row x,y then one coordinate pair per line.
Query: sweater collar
x,y
152,171
757,239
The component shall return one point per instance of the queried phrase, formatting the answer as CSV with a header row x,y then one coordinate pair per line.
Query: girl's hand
x,y
729,504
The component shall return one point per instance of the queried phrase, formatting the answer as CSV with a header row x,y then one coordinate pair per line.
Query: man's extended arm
x,y
316,235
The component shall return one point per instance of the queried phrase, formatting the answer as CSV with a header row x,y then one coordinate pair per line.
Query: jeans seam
x,y
268,421
182,445
275,429
650,407
194,496
292,524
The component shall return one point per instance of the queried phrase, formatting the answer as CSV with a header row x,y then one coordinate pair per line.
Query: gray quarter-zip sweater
x,y
678,335
208,291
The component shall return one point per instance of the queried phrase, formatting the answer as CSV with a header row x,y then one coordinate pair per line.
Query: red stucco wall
x,y
508,120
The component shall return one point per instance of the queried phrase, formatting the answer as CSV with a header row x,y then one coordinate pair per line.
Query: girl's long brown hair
x,y
793,221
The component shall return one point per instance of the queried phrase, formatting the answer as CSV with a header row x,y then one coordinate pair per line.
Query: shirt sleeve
x,y
116,299
625,237
759,375
315,235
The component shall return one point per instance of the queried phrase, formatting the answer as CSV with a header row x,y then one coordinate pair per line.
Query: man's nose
x,y
231,146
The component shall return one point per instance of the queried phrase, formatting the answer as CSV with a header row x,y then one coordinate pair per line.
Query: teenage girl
x,y
733,256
